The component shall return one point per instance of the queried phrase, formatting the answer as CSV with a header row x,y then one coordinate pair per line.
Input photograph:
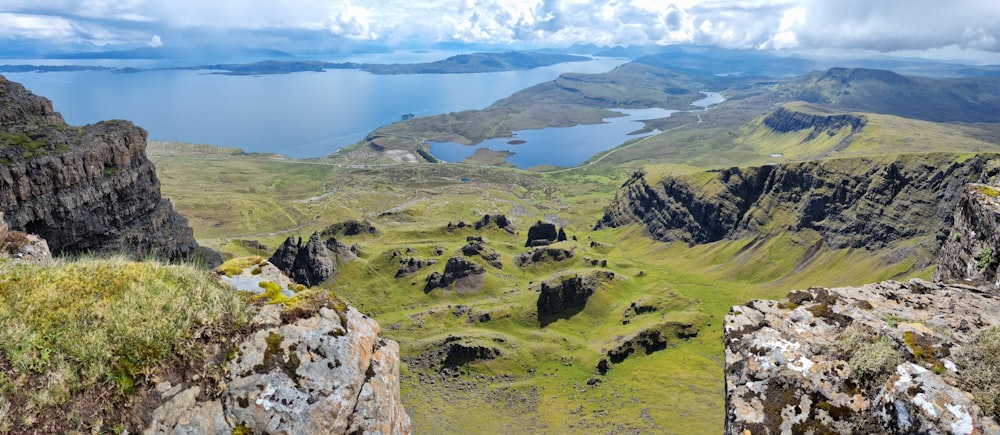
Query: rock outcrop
x,y
543,255
322,370
566,295
308,264
410,265
499,221
83,189
783,120
350,228
881,358
476,248
23,246
544,233
972,250
647,341
467,276
850,203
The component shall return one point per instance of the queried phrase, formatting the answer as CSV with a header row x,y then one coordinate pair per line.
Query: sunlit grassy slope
x,y
545,378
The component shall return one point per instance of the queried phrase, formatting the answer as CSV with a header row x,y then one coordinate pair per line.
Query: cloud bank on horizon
x,y
879,25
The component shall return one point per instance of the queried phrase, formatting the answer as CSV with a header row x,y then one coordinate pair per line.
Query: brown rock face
x,y
83,189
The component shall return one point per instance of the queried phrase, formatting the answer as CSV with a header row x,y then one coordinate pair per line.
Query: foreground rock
x,y
83,189
306,371
881,358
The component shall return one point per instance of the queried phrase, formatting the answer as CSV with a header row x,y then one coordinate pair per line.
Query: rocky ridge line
x,y
851,203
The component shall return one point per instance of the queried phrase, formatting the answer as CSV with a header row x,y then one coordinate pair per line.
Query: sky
x,y
958,28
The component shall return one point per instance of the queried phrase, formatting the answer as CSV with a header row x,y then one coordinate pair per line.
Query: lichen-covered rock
x,y
855,360
972,250
83,189
308,264
328,372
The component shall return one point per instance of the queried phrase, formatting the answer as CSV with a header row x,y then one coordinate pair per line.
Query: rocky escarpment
x,y
783,120
850,203
881,358
972,251
83,189
318,368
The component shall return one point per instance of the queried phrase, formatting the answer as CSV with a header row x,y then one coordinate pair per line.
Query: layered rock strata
x,y
83,189
850,203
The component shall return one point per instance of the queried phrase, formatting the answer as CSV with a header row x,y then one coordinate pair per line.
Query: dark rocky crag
x,y
972,252
850,203
308,264
564,296
891,357
83,189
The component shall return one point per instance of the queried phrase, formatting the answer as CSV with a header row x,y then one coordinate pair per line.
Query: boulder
x,y
410,265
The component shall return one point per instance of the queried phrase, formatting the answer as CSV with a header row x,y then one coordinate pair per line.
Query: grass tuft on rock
x,y
76,325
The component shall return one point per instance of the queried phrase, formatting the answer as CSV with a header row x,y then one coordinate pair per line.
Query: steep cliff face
x,y
85,188
972,251
785,121
851,203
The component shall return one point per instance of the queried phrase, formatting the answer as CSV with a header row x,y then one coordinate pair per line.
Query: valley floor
x,y
515,372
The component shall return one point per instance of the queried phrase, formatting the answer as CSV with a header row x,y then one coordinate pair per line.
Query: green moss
x,y
988,191
984,257
272,293
235,266
242,429
257,271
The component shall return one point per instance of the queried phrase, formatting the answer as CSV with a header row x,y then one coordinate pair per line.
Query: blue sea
x,y
298,115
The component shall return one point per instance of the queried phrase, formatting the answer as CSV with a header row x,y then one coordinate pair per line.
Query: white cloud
x,y
155,41
879,25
